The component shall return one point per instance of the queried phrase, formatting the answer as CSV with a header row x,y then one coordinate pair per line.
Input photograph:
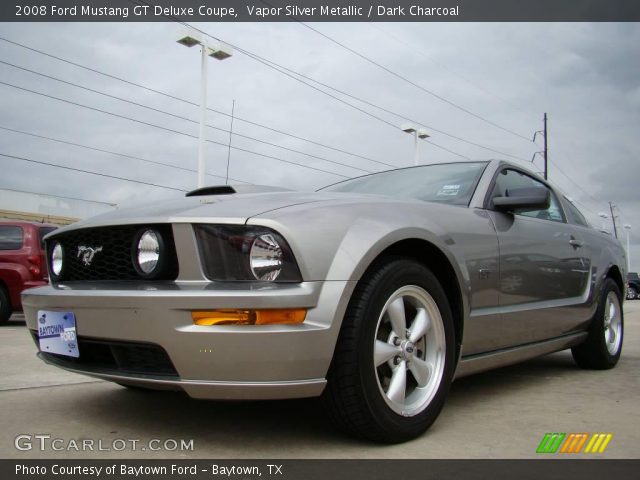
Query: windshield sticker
x,y
449,190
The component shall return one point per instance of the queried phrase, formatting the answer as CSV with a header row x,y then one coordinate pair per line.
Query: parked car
x,y
374,293
633,286
22,262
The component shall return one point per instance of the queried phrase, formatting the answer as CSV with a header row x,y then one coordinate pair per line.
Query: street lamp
x,y
604,217
219,52
417,134
627,227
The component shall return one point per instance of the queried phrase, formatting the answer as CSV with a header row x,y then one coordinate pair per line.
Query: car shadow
x,y
14,323
241,425
530,374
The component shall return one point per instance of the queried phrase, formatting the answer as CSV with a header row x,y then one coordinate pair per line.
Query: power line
x,y
272,65
397,75
284,71
91,173
573,182
292,74
180,117
418,51
383,109
269,63
169,129
410,82
60,196
124,155
183,100
572,200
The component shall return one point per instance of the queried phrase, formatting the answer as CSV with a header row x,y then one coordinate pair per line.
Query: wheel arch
x,y
615,274
440,265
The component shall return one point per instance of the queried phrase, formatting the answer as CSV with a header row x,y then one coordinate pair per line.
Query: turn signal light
x,y
249,317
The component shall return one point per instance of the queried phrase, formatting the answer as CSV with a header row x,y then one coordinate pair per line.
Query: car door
x,y
542,271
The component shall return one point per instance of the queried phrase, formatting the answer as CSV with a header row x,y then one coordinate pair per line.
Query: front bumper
x,y
215,362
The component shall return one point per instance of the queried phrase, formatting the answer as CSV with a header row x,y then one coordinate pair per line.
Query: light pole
x,y
627,227
604,217
417,134
220,52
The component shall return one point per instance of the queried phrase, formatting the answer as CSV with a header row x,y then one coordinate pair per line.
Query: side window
x,y
574,214
10,238
508,179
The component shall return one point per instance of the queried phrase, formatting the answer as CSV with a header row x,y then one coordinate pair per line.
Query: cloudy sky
x,y
585,76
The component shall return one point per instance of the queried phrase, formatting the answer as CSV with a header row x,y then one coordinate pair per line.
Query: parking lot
x,y
499,414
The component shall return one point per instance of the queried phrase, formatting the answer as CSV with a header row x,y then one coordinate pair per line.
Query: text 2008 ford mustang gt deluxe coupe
x,y
375,292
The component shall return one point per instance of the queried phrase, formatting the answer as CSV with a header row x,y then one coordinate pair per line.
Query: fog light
x,y
147,254
56,260
249,317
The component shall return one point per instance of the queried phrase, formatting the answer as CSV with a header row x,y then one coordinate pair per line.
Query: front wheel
x,y
395,355
603,346
632,293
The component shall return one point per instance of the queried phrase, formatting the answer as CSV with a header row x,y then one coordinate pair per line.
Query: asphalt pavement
x,y
500,414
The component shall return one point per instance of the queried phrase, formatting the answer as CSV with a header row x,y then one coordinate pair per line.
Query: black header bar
x,y
320,10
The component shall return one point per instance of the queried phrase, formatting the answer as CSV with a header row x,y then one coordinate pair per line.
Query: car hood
x,y
226,209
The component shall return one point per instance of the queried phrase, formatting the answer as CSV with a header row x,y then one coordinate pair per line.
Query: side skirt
x,y
499,358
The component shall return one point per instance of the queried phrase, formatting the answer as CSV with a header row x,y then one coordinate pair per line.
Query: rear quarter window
x,y
575,216
11,237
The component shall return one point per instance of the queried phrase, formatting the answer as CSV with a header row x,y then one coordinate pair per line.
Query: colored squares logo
x,y
574,443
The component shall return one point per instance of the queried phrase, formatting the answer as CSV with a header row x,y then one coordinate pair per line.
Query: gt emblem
x,y
87,254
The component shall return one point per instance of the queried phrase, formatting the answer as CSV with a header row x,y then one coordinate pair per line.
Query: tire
x,y
632,293
5,306
373,402
603,345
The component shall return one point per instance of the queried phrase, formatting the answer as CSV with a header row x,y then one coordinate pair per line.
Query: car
x,y
22,262
633,286
374,293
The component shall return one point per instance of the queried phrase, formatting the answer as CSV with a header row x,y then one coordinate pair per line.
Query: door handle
x,y
575,243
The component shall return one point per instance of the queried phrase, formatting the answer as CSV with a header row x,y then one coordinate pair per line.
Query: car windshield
x,y
452,183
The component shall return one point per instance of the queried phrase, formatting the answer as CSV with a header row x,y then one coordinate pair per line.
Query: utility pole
x,y
546,150
613,219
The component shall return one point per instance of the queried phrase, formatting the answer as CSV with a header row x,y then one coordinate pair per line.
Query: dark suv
x,y
22,262
633,286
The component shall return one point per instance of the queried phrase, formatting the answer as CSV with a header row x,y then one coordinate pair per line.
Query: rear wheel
x,y
603,346
632,293
394,359
5,306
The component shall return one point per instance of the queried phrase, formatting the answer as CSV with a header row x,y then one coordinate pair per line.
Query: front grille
x,y
113,257
115,357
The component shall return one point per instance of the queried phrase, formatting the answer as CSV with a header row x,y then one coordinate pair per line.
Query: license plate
x,y
57,333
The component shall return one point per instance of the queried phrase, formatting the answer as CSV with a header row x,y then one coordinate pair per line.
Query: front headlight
x,y
245,253
265,258
57,260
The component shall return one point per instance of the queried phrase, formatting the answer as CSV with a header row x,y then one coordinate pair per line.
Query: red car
x,y
22,262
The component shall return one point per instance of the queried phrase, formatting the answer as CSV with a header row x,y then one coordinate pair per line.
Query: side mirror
x,y
523,200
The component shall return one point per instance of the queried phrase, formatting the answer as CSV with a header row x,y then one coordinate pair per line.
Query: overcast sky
x,y
585,76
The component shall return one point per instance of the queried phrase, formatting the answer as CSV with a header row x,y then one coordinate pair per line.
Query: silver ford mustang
x,y
374,293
